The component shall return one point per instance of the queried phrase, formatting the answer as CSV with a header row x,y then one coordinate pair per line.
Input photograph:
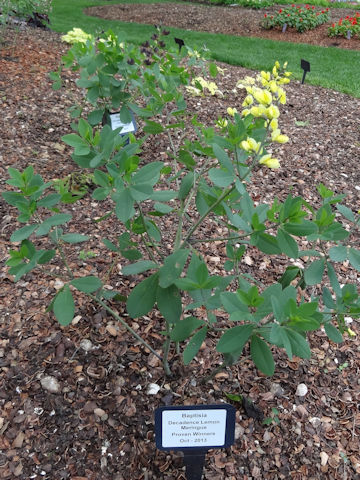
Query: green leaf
x,y
74,238
173,267
184,328
287,244
213,70
143,297
187,183
299,345
234,339
220,177
261,355
169,303
149,174
87,284
49,201
333,333
138,267
301,229
266,243
334,282
194,345
124,208
186,159
338,254
354,258
81,147
327,298
346,212
314,273
23,233
46,256
64,307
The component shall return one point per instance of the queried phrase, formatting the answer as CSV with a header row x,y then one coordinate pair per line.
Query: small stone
x,y
18,442
50,384
99,412
301,390
86,345
315,422
324,458
152,389
277,390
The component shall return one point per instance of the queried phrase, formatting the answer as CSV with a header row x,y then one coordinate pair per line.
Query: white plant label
x,y
116,123
193,428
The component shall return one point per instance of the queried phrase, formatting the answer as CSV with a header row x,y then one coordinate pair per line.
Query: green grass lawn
x,y
338,69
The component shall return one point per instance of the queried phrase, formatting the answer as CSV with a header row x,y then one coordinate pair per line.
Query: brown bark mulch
x,y
99,424
227,20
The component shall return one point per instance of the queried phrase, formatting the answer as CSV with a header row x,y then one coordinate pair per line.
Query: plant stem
x,y
62,255
128,328
166,352
208,211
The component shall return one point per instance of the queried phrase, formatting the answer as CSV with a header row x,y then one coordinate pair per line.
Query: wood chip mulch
x,y
97,422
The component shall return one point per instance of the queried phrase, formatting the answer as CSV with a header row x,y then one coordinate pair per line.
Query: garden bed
x,y
100,423
227,20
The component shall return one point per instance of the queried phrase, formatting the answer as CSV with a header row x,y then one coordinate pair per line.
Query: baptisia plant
x,y
208,179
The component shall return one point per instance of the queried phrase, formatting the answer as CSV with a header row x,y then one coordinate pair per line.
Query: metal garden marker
x,y
194,430
306,67
180,42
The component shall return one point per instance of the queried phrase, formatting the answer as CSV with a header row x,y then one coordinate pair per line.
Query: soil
x,y
99,421
227,20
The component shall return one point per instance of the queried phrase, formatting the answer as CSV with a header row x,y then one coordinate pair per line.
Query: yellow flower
x,y
272,112
269,162
246,112
277,137
274,71
281,96
248,101
265,75
273,86
251,145
194,91
262,96
76,35
351,333
222,122
283,81
231,111
274,124
277,65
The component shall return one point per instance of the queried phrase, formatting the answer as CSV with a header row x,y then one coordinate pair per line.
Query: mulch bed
x,y
99,425
227,20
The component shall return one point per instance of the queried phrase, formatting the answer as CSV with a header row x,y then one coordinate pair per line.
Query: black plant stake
x,y
194,462
306,67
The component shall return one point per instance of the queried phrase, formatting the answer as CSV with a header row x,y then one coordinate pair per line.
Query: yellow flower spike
x,y
248,101
283,81
254,145
265,75
276,136
263,97
255,111
274,124
269,162
351,333
76,35
285,65
272,112
288,74
277,65
274,71
245,112
245,146
281,96
213,88
231,111
273,86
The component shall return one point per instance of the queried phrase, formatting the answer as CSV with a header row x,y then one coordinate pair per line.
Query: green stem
x,y
62,255
128,328
166,352
208,211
